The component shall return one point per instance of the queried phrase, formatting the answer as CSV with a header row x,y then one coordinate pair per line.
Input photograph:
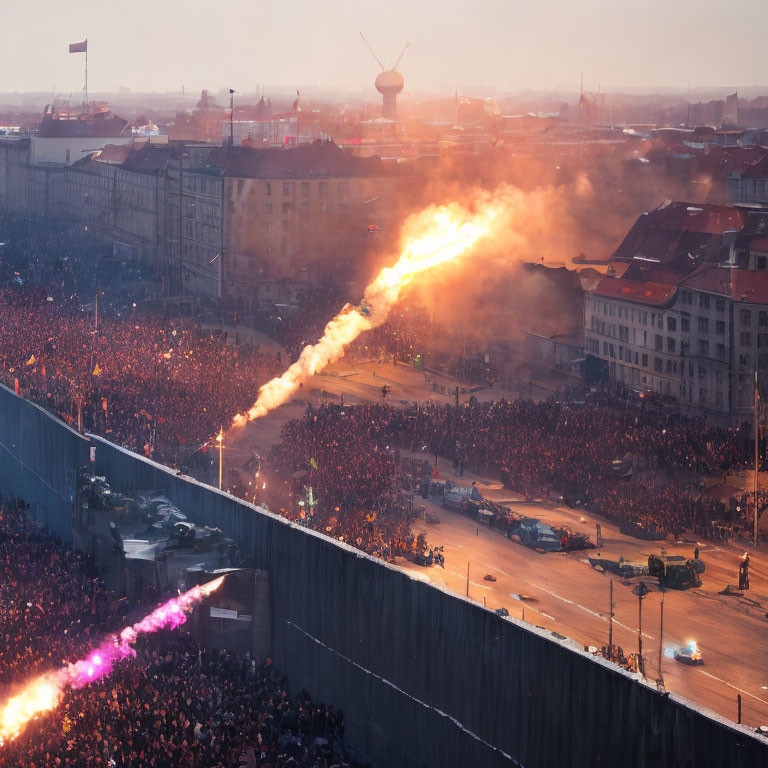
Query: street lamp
x,y
641,590
231,117
96,314
220,441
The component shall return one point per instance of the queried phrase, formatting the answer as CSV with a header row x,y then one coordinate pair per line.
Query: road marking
x,y
587,610
463,576
740,690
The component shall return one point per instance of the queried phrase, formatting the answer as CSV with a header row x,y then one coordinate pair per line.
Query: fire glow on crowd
x,y
44,693
443,234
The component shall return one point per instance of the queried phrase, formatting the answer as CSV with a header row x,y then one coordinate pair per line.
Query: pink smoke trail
x,y
44,693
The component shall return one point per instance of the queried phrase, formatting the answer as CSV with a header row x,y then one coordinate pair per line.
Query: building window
x,y
703,325
686,297
287,188
343,191
762,319
685,345
659,343
702,395
704,302
268,189
670,345
671,324
645,361
268,209
703,347
746,318
323,190
287,209
720,305
643,318
744,361
669,366
685,324
621,353
720,327
658,365
762,263
720,351
746,339
305,189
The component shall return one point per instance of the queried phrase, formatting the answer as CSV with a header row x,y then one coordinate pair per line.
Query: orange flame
x,y
445,234
44,693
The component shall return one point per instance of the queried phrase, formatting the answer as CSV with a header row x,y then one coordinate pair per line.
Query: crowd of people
x,y
155,385
174,704
356,493
537,449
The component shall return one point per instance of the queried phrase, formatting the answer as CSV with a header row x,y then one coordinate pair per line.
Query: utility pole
x,y
661,638
610,617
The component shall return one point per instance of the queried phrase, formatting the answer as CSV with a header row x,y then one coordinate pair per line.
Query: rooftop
x,y
639,292
744,285
321,158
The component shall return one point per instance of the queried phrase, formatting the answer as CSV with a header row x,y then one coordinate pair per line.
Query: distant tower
x,y
389,82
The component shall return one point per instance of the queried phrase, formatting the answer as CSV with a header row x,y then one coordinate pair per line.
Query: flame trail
x,y
44,693
447,233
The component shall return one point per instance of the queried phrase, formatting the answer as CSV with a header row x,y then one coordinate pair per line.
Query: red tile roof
x,y
652,294
739,284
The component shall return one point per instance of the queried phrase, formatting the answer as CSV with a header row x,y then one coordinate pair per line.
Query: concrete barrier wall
x,y
39,458
424,677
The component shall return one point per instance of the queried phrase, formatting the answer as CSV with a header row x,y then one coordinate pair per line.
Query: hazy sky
x,y
515,44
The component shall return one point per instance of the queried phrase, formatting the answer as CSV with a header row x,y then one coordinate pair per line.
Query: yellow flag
x,y
96,370
31,360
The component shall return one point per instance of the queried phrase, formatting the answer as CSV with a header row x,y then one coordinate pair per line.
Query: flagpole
x,y
86,76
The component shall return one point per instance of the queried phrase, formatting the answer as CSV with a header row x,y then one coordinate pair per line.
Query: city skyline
x,y
617,45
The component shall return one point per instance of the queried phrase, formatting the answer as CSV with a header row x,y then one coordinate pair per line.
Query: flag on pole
x,y
96,370
79,47
31,360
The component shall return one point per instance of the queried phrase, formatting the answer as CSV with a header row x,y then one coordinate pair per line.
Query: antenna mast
x,y
373,54
405,48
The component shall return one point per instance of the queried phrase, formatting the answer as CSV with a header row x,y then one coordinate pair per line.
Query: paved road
x,y
562,592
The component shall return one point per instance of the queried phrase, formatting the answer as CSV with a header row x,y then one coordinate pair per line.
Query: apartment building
x,y
700,339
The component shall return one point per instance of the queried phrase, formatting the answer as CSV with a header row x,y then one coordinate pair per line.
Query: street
x,y
562,592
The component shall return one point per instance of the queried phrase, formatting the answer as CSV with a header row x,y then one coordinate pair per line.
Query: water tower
x,y
389,82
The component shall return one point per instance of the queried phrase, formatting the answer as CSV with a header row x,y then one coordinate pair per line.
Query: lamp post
x,y
220,440
641,590
231,117
96,313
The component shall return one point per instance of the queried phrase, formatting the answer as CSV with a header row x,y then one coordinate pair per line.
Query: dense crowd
x,y
539,449
173,705
148,383
355,490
